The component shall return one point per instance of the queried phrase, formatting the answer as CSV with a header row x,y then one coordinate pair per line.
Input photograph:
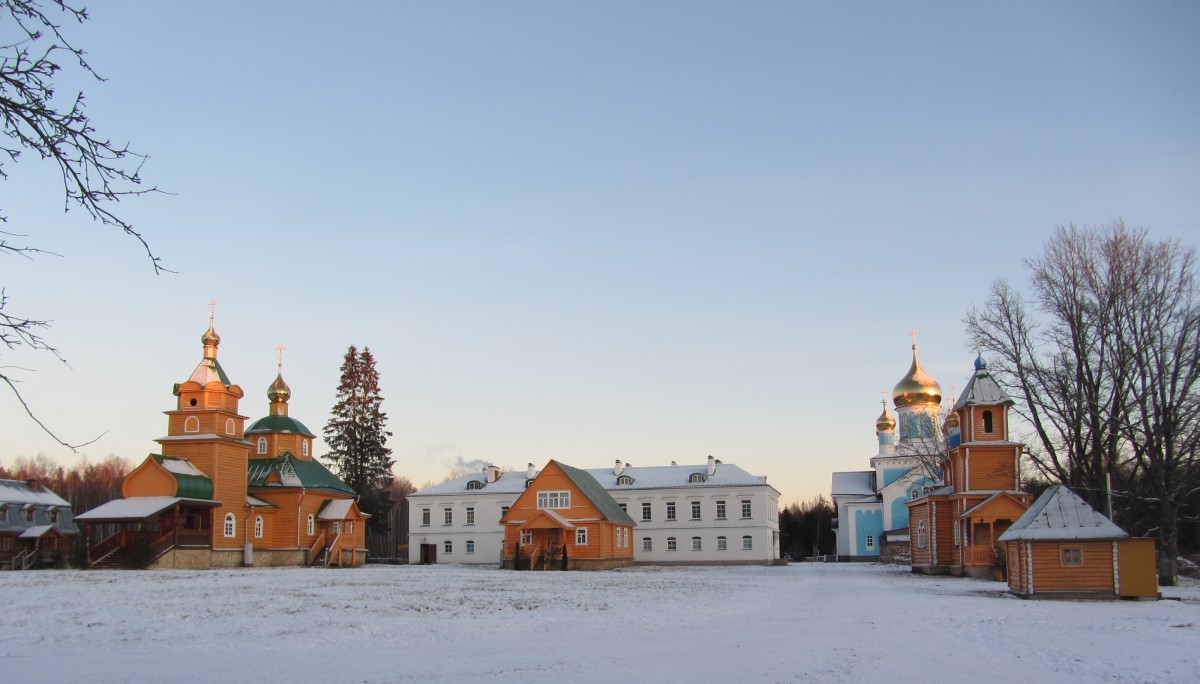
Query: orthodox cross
x,y
279,348
212,305
914,336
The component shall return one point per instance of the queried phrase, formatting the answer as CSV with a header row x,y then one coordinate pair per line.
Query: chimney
x,y
674,463
491,473
712,466
530,472
618,468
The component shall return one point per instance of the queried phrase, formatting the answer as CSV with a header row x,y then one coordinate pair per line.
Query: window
x,y
229,426
304,447
262,445
746,508
53,513
3,510
503,511
424,518
987,421
258,527
695,510
670,543
474,484
623,507
721,544
350,526
720,510
312,527
191,424
670,510
230,525
695,543
337,528
870,542
647,545
624,480
696,478
554,500
447,516
581,536
29,514
526,537
747,543
470,546
448,547
470,515
645,511
1071,556
921,534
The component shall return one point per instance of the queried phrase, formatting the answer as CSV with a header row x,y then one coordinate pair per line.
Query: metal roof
x,y
19,492
293,472
1059,514
190,481
137,508
279,424
982,390
596,493
854,483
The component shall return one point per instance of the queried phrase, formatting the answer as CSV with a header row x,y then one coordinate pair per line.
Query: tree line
x,y
1102,353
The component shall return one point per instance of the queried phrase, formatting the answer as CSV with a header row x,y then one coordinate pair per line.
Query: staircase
x,y
120,559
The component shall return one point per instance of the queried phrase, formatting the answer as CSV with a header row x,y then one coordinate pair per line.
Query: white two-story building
x,y
708,514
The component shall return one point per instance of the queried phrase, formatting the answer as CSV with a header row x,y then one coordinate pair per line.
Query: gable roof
x,y
595,493
293,472
190,482
1059,514
856,483
19,492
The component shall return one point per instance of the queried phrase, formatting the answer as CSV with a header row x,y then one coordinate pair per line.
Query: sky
x,y
584,231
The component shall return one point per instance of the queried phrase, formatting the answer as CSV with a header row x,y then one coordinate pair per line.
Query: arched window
x,y
229,426
470,546
258,527
304,447
191,424
870,542
474,484
747,543
987,421
312,527
921,534
230,525
624,480
695,543
262,445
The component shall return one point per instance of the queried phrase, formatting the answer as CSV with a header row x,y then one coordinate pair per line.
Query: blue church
x,y
870,504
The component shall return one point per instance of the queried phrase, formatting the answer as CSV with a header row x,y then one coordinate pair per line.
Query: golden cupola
x,y
885,422
951,423
917,387
279,393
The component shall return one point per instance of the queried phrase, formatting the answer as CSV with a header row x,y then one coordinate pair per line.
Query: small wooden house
x,y
566,520
1062,547
36,529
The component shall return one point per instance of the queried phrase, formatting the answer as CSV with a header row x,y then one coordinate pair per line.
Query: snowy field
x,y
805,622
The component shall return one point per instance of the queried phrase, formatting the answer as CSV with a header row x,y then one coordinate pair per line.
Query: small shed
x,y
1062,547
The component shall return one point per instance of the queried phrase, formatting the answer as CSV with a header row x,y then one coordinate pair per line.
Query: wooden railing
x,y
979,555
193,538
163,544
316,548
106,546
534,554
23,560
335,552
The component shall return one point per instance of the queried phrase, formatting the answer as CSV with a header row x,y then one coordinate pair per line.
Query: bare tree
x,y
1106,360
95,171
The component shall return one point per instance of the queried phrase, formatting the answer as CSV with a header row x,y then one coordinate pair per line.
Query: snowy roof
x,y
19,492
854,483
258,503
35,532
649,477
1059,514
982,390
558,518
181,466
335,509
136,508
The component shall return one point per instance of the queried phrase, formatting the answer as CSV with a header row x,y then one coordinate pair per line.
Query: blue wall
x,y
899,513
867,523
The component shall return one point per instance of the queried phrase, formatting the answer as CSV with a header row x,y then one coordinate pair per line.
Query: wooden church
x,y
221,494
954,529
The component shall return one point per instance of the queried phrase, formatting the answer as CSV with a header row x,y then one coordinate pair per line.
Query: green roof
x,y
592,489
279,424
293,472
188,485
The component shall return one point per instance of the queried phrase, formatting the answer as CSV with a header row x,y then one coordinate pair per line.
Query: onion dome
x,y
279,390
917,387
980,364
210,338
885,422
951,423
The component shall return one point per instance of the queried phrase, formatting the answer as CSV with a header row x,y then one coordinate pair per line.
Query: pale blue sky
x,y
588,231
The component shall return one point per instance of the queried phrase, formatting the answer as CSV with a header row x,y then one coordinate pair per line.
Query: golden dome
x,y
210,338
279,390
917,387
951,423
885,422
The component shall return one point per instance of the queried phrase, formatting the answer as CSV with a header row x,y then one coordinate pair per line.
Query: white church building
x,y
870,504
709,514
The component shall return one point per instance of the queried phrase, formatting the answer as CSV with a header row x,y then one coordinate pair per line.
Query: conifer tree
x,y
357,437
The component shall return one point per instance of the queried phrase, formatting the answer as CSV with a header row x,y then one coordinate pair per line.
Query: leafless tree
x,y
95,171
1105,359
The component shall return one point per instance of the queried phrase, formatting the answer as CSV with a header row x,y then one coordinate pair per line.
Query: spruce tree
x,y
357,439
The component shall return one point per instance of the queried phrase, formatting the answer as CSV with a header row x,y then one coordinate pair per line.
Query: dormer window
x,y
697,478
3,510
262,445
624,480
52,513
474,484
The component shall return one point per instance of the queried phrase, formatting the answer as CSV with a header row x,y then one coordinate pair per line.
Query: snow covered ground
x,y
804,622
